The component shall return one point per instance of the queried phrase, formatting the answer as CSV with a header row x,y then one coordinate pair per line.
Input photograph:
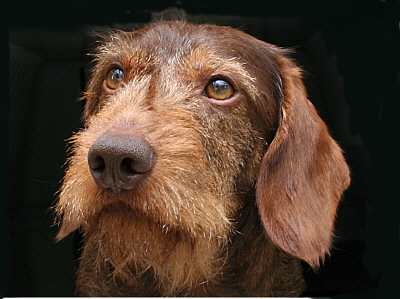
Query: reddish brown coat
x,y
240,189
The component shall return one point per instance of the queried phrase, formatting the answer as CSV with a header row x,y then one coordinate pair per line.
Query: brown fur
x,y
240,191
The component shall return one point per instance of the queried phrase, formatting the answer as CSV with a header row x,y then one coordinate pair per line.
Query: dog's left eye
x,y
115,78
219,89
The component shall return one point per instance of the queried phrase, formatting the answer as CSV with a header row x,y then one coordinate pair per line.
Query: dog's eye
x,y
219,89
115,78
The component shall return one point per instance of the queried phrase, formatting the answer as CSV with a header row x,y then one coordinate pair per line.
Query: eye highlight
x,y
115,78
219,89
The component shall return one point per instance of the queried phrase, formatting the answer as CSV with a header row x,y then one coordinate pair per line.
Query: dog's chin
x,y
126,240
127,218
119,226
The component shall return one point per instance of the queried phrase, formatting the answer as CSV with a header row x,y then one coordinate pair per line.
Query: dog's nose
x,y
119,161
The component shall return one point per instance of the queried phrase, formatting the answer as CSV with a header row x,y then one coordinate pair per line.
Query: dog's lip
x,y
117,207
125,210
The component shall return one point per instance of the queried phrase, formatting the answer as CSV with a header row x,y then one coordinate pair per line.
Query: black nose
x,y
119,161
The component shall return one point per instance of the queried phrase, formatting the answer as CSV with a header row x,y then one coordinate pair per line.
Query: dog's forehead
x,y
179,38
169,42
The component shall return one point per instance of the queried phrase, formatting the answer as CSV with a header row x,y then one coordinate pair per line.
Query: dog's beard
x,y
130,245
175,223
130,238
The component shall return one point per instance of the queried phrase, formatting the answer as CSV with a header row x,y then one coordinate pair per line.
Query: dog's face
x,y
199,106
214,115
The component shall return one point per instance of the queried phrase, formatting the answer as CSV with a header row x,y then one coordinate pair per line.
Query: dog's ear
x,y
302,175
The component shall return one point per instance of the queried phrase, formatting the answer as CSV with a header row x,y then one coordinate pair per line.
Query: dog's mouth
x,y
118,209
121,216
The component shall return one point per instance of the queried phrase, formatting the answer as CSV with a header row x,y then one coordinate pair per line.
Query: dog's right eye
x,y
115,78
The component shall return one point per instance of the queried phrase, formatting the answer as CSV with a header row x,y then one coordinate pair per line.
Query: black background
x,y
351,54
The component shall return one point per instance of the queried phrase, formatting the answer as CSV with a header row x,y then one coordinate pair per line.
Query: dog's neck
x,y
172,263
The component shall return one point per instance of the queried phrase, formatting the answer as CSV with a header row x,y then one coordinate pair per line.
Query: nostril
x,y
127,167
97,163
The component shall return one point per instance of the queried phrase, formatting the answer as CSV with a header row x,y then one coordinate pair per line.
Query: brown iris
x,y
115,78
219,89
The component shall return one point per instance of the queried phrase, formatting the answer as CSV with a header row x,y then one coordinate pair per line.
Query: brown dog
x,y
203,169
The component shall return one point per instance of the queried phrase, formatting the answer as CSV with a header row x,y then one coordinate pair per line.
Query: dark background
x,y
351,54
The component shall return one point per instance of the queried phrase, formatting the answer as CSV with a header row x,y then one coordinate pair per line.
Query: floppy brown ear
x,y
302,176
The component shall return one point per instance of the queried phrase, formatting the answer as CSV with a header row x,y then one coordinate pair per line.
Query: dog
x,y
202,170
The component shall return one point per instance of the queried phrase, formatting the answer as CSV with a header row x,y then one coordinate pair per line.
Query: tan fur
x,y
192,226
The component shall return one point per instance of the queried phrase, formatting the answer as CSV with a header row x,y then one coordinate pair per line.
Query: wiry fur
x,y
239,191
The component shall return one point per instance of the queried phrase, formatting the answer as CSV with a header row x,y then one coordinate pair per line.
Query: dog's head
x,y
192,118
